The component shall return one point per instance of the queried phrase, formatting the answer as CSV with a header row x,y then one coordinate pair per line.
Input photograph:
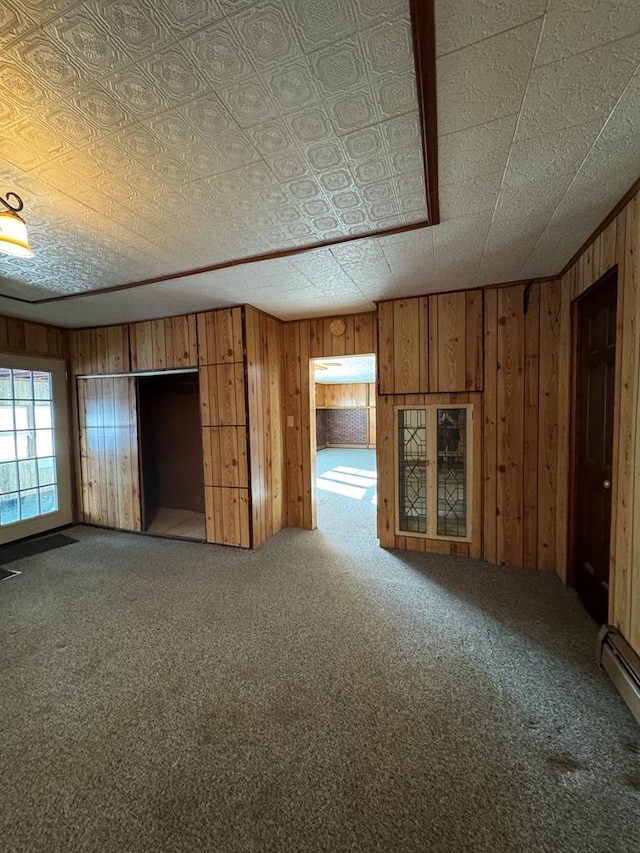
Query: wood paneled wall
x,y
25,338
347,395
431,343
266,434
515,417
386,475
162,344
214,342
520,441
108,441
617,245
304,340
224,427
103,350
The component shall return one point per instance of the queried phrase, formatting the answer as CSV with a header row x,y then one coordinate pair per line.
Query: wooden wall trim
x,y
424,54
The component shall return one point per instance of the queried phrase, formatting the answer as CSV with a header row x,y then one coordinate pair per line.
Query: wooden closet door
x,y
108,427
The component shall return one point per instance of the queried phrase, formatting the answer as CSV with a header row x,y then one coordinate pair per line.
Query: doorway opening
x,y
35,476
171,474
593,421
344,397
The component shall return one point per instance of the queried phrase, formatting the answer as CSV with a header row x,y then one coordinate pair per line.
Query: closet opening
x,y
171,471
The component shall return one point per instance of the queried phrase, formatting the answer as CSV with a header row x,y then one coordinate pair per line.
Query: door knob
x,y
606,485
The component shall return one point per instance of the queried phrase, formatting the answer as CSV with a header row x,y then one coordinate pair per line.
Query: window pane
x,y
44,442
43,415
6,392
412,470
48,499
21,413
27,474
27,458
41,385
8,477
6,414
7,446
9,508
46,471
452,472
22,385
26,445
29,505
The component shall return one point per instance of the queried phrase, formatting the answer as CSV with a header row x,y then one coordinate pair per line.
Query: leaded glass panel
x,y
412,471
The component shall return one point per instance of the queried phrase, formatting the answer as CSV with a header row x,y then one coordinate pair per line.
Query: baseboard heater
x,y
622,665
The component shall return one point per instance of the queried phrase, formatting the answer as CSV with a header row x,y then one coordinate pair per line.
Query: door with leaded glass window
x,y
434,465
35,482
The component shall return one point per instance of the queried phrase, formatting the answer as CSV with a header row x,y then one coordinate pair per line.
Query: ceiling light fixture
x,y
13,230
320,366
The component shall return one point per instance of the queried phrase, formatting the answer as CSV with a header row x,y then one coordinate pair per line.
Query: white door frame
x,y
64,513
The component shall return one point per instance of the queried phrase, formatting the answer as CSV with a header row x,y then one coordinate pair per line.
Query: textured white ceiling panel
x,y
578,90
486,80
475,151
461,23
149,136
576,26
470,196
346,369
458,247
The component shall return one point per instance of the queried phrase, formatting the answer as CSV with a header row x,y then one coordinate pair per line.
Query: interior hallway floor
x,y
346,490
318,694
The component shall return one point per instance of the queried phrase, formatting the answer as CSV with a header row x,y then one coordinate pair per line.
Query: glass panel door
x,y
452,472
434,471
412,470
35,487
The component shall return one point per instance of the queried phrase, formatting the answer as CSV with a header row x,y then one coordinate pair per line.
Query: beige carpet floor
x,y
318,694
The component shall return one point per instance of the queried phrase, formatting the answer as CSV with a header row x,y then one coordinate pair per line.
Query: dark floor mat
x,y
9,553
5,574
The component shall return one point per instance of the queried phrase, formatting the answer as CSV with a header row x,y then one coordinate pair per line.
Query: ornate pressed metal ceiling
x,y
148,137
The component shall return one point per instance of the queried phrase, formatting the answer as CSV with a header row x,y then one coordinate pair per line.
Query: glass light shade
x,y
13,236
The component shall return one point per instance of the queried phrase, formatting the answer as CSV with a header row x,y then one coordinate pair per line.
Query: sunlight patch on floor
x,y
363,472
352,479
348,482
341,489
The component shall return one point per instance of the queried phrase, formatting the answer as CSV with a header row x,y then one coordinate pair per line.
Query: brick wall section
x,y
347,426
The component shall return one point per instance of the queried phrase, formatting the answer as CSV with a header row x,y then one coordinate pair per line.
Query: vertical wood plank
x,y
364,333
510,438
533,387
490,421
476,546
386,366
626,547
307,433
473,343
294,487
433,345
451,342
406,346
159,355
550,320
386,471
565,394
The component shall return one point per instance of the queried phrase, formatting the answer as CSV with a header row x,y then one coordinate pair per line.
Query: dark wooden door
x,y
594,432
